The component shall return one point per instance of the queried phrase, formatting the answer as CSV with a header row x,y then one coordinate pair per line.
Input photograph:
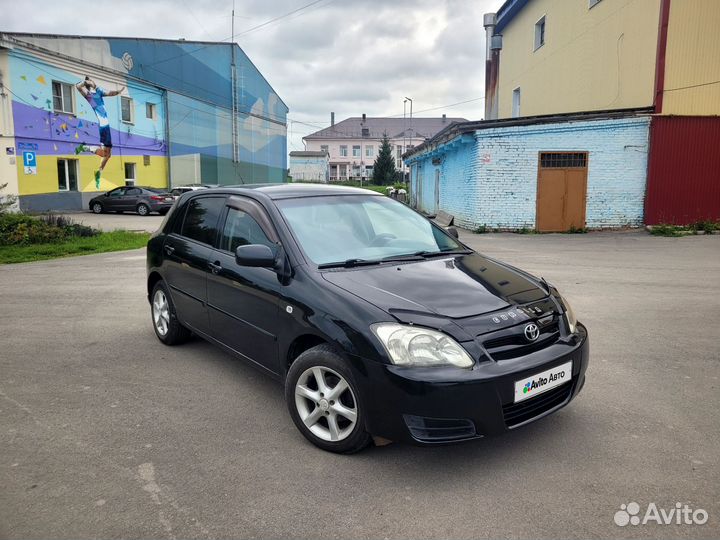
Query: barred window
x,y
563,160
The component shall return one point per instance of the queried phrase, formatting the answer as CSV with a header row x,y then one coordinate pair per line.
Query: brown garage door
x,y
561,193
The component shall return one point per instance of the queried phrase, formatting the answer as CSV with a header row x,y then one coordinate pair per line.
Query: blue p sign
x,y
29,159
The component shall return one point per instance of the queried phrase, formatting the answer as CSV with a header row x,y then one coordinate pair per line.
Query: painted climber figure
x,y
95,97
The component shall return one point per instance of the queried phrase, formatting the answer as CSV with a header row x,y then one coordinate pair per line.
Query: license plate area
x,y
539,383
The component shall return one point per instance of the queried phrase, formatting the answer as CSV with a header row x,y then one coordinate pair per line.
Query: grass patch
x,y
77,245
667,230
482,229
577,230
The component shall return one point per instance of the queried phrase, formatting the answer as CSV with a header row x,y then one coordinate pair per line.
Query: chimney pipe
x,y
444,117
493,44
363,118
332,118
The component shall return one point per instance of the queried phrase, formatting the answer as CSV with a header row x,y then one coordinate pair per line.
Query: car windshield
x,y
358,228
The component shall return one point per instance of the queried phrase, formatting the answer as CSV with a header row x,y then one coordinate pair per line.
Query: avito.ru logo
x,y
678,515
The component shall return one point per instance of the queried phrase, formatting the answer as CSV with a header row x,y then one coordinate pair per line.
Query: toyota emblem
x,y
532,332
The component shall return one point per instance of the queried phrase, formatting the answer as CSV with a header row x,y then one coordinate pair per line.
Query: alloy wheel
x,y
326,403
161,312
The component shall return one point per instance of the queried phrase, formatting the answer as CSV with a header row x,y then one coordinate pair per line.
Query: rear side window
x,y
201,219
241,229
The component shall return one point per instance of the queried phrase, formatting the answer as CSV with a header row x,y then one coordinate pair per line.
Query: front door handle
x,y
215,267
169,249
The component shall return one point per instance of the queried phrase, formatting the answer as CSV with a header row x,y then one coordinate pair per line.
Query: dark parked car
x,y
142,200
377,321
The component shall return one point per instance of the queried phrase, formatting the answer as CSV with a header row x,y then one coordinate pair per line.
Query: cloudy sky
x,y
347,56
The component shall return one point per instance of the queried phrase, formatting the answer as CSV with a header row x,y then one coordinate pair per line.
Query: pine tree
x,y
384,172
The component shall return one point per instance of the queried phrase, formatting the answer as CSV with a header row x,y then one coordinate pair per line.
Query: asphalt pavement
x,y
105,432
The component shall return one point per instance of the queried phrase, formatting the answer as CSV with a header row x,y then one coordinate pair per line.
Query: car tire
x,y
329,413
96,208
164,318
143,209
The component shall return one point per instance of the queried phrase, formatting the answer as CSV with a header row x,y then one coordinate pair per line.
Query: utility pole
x,y
233,85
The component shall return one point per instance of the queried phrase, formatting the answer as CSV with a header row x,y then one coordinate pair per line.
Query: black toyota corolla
x,y
379,322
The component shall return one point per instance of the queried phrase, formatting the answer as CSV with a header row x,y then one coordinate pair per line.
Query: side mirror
x,y
452,231
255,255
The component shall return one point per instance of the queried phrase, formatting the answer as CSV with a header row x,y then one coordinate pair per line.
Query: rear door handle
x,y
169,249
215,267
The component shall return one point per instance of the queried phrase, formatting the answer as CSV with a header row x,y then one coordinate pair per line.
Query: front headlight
x,y
415,346
569,315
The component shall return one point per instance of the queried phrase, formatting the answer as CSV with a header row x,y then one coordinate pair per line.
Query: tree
x,y
384,172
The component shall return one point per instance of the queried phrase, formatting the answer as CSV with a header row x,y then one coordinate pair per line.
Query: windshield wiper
x,y
349,263
428,254
425,254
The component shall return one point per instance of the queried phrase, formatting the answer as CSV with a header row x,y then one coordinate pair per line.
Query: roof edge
x,y
462,128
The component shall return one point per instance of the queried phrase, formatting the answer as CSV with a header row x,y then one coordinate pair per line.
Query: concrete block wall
x,y
493,181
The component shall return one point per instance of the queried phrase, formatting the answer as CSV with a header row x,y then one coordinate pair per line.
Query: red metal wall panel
x,y
684,170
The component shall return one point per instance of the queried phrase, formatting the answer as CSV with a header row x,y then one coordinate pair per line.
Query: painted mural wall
x,y
493,180
198,77
54,129
186,140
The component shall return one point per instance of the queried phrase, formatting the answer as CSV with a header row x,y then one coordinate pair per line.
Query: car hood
x,y
454,287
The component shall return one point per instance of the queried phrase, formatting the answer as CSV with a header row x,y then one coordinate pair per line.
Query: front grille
x,y
439,429
517,413
513,343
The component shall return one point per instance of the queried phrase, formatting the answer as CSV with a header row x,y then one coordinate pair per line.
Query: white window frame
x,y
67,174
358,148
516,102
540,31
131,108
369,150
343,150
593,3
71,96
152,107
325,148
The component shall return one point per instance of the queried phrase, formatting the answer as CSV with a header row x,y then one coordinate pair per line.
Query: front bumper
x,y
441,405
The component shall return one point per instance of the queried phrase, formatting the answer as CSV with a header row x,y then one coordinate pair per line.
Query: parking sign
x,y
29,162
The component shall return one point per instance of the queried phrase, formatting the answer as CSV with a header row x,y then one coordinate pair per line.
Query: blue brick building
x,y
550,173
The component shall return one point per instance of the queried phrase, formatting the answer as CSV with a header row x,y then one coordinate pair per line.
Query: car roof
x,y
292,191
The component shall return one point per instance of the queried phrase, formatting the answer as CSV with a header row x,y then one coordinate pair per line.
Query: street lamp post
x,y
405,149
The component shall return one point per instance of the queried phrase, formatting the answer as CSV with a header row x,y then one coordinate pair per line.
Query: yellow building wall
x,y
593,58
46,179
692,58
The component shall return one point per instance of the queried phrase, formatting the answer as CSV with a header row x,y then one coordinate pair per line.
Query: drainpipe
x,y
660,55
493,44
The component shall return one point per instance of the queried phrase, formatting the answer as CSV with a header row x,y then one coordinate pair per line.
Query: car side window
x,y
119,192
201,219
134,192
241,229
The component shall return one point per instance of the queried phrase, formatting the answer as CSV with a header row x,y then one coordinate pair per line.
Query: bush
x,y
70,227
19,229
666,230
708,227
